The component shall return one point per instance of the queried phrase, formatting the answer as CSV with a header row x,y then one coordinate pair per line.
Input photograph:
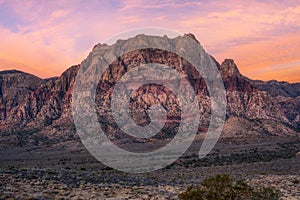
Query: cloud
x,y
288,71
46,37
59,13
128,5
130,19
263,57
29,52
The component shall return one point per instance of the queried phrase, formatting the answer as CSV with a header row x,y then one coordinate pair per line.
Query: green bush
x,y
222,187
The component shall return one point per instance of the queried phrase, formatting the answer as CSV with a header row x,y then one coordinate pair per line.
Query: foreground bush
x,y
222,187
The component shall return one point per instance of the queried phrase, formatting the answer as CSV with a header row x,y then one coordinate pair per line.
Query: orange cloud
x,y
44,38
268,59
290,74
258,36
28,52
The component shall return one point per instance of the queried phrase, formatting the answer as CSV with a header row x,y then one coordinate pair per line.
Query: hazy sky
x,y
46,37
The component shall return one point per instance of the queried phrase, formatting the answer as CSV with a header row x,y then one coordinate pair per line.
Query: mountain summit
x,y
229,68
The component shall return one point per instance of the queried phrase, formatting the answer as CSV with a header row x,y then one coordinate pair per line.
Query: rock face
x,y
34,110
16,87
287,95
245,99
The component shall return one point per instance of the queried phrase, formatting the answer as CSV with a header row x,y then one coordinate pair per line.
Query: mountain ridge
x,y
271,81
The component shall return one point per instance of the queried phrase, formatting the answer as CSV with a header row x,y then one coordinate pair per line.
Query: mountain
x,y
37,111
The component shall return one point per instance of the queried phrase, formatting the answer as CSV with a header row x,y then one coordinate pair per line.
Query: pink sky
x,y
46,37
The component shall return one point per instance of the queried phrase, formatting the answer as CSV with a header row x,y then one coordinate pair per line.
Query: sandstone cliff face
x,y
26,98
29,105
245,99
275,88
16,87
34,110
287,96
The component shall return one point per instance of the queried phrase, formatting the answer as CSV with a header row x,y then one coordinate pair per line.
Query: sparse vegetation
x,y
222,187
65,173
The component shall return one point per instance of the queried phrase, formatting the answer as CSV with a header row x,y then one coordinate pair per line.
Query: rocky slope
x,y
33,110
287,95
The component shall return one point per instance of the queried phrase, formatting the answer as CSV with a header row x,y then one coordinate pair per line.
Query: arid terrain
x,y
54,172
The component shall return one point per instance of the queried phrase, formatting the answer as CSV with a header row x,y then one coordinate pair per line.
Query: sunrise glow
x,y
46,37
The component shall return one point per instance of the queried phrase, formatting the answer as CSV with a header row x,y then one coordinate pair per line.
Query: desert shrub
x,y
222,187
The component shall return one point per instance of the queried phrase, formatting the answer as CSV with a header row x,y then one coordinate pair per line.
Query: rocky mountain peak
x,y
13,71
191,35
13,82
229,68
